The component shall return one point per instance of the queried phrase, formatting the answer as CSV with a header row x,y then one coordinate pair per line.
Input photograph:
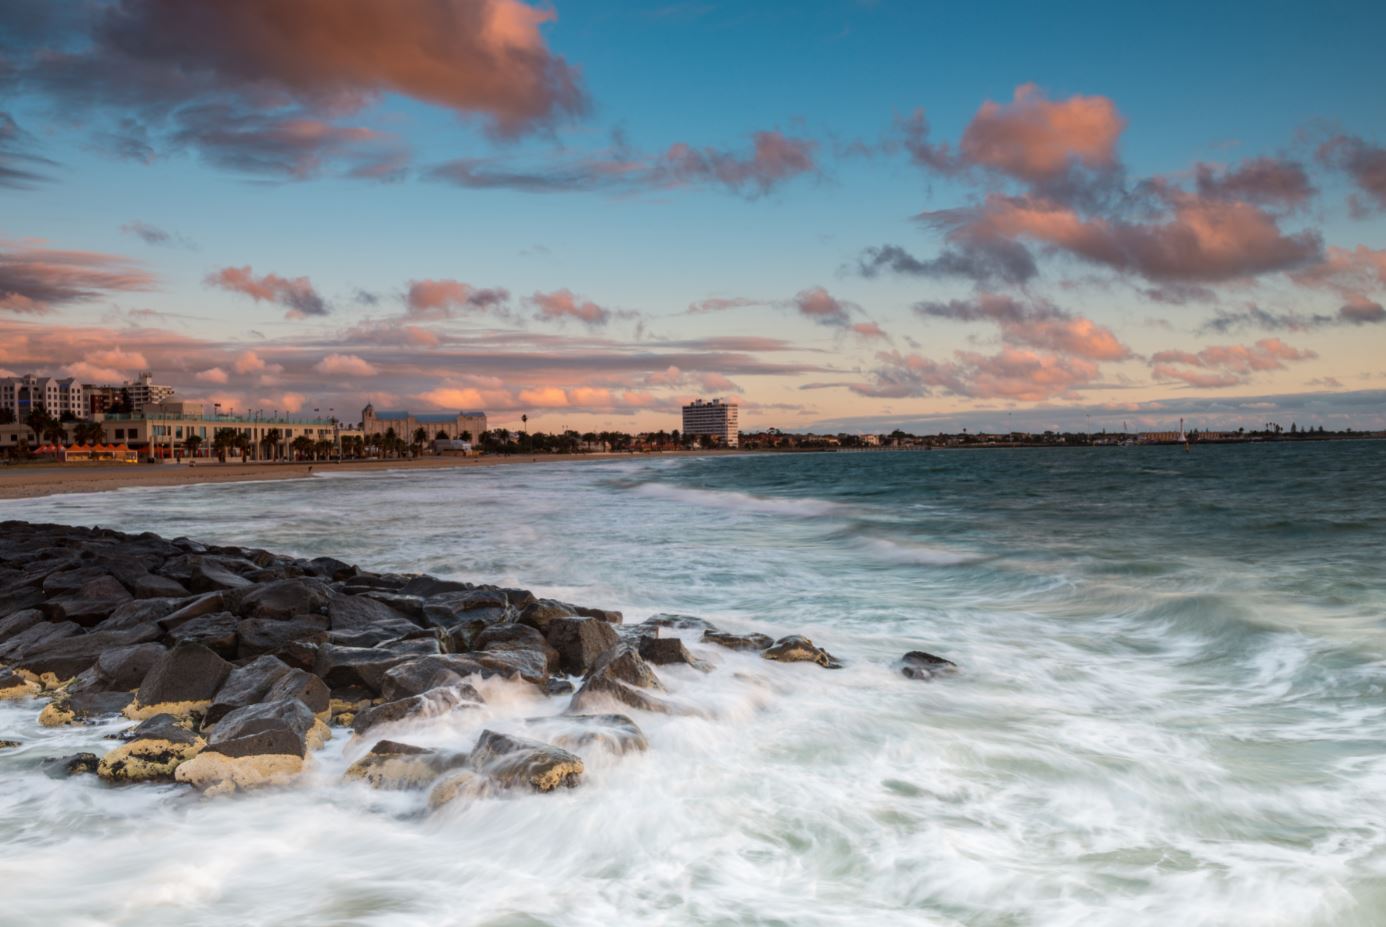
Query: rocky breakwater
x,y
233,665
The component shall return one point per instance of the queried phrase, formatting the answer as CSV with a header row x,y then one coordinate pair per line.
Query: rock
x,y
20,599
677,622
799,649
421,674
62,767
460,784
14,687
138,612
91,605
539,613
246,685
514,762
359,613
41,634
155,749
431,704
126,667
219,774
207,575
466,614
530,665
331,568
84,705
410,605
216,631
154,586
304,686
426,587
920,665
202,605
67,657
662,651
281,727
392,766
604,614
558,687
580,642
10,744
283,599
620,678
343,667
737,641
614,733
296,642
182,682
623,663
19,622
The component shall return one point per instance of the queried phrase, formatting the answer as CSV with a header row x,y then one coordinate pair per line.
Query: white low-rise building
x,y
22,395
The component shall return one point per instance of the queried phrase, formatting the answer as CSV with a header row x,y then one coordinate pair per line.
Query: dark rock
x,y
296,642
623,678
216,632
359,613
92,604
430,704
423,673
153,586
920,665
558,687
304,686
342,667
580,642
205,604
138,612
614,733
607,615
662,651
410,605
517,637
512,762
89,703
280,728
189,673
799,649
208,575
18,623
14,600
623,663
45,632
395,766
69,582
152,752
62,767
677,622
428,586
471,611
283,599
539,613
246,685
530,665
69,656
331,568
126,667
737,641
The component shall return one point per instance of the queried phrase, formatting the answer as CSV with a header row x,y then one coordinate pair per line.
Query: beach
x,y
27,481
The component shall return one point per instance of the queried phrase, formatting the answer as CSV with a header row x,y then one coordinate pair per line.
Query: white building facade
x,y
716,418
22,395
144,391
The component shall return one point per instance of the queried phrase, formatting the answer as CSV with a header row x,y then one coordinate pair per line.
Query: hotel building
x,y
453,424
715,418
22,395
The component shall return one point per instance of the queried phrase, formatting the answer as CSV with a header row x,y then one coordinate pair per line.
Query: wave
x,y
792,506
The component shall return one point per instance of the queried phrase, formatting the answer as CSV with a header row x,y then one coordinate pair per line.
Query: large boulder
x,y
431,704
208,575
18,623
66,657
465,614
182,683
202,605
426,587
91,604
663,651
920,665
35,636
423,673
216,632
392,766
349,613
620,679
283,727
246,685
540,612
580,642
139,612
364,667
799,649
154,586
283,599
156,748
517,762
296,642
737,641
616,734
303,686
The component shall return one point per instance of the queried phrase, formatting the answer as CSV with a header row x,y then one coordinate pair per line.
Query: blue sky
x,y
236,174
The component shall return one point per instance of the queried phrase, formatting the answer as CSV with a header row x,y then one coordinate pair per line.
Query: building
x,y
22,395
463,425
145,391
715,418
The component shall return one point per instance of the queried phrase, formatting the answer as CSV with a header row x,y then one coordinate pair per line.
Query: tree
x,y
223,441
37,420
88,433
302,446
420,439
6,416
192,443
440,436
466,436
54,432
271,441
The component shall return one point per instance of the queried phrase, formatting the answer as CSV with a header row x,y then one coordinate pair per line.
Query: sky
x,y
845,215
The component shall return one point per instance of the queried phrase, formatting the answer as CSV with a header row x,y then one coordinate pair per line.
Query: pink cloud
x,y
284,402
297,294
869,330
1079,336
439,299
249,362
820,306
1037,139
1260,180
1226,365
35,279
345,365
776,158
213,375
563,304
1021,375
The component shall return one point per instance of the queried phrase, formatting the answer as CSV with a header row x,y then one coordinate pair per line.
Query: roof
x,y
431,417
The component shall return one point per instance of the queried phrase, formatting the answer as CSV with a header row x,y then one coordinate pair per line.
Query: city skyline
x,y
859,215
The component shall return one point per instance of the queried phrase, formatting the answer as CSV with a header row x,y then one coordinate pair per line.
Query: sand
x,y
26,481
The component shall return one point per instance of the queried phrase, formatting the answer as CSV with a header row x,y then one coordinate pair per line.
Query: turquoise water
x,y
1171,707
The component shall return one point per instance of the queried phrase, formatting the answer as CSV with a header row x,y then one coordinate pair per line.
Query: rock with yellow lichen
x,y
392,766
182,683
218,774
156,748
14,686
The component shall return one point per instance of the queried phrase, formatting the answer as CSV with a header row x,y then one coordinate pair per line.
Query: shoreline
x,y
32,481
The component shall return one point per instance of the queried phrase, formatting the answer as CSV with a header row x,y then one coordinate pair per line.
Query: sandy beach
x,y
27,481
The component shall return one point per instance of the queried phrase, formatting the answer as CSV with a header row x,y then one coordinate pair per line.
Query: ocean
x,y
1170,707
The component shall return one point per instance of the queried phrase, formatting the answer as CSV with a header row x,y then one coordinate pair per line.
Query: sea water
x,y
1170,708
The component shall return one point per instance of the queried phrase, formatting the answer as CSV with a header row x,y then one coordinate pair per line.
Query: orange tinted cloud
x,y
563,304
1226,365
1037,139
1016,374
35,279
296,294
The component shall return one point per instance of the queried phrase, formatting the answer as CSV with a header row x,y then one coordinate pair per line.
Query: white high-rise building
x,y
145,391
716,418
22,395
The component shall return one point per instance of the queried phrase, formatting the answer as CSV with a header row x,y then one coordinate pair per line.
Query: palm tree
x,y
242,443
224,440
271,441
192,443
302,445
54,432
88,433
420,439
37,420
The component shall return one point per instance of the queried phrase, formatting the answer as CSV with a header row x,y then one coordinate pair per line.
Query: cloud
x,y
213,375
20,169
1197,240
563,304
285,402
870,330
249,362
1225,365
722,304
1014,374
440,299
774,159
820,306
1364,162
149,234
297,294
1268,181
984,261
1036,325
345,365
1037,139
35,279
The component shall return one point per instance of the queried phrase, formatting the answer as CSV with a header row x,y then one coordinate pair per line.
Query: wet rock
x,y
517,762
558,687
216,632
92,604
207,575
10,744
431,704
359,613
19,599
182,682
126,667
63,767
154,586
155,749
410,605
530,665
281,727
18,623
662,651
296,642
331,568
624,664
342,667
392,766
459,785
14,687
737,641
604,614
70,706
303,686
920,665
539,613
615,733
677,622
419,675
580,642
283,599
246,685
218,774
38,635
620,679
67,657
799,649
465,614
138,612
426,587
202,605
